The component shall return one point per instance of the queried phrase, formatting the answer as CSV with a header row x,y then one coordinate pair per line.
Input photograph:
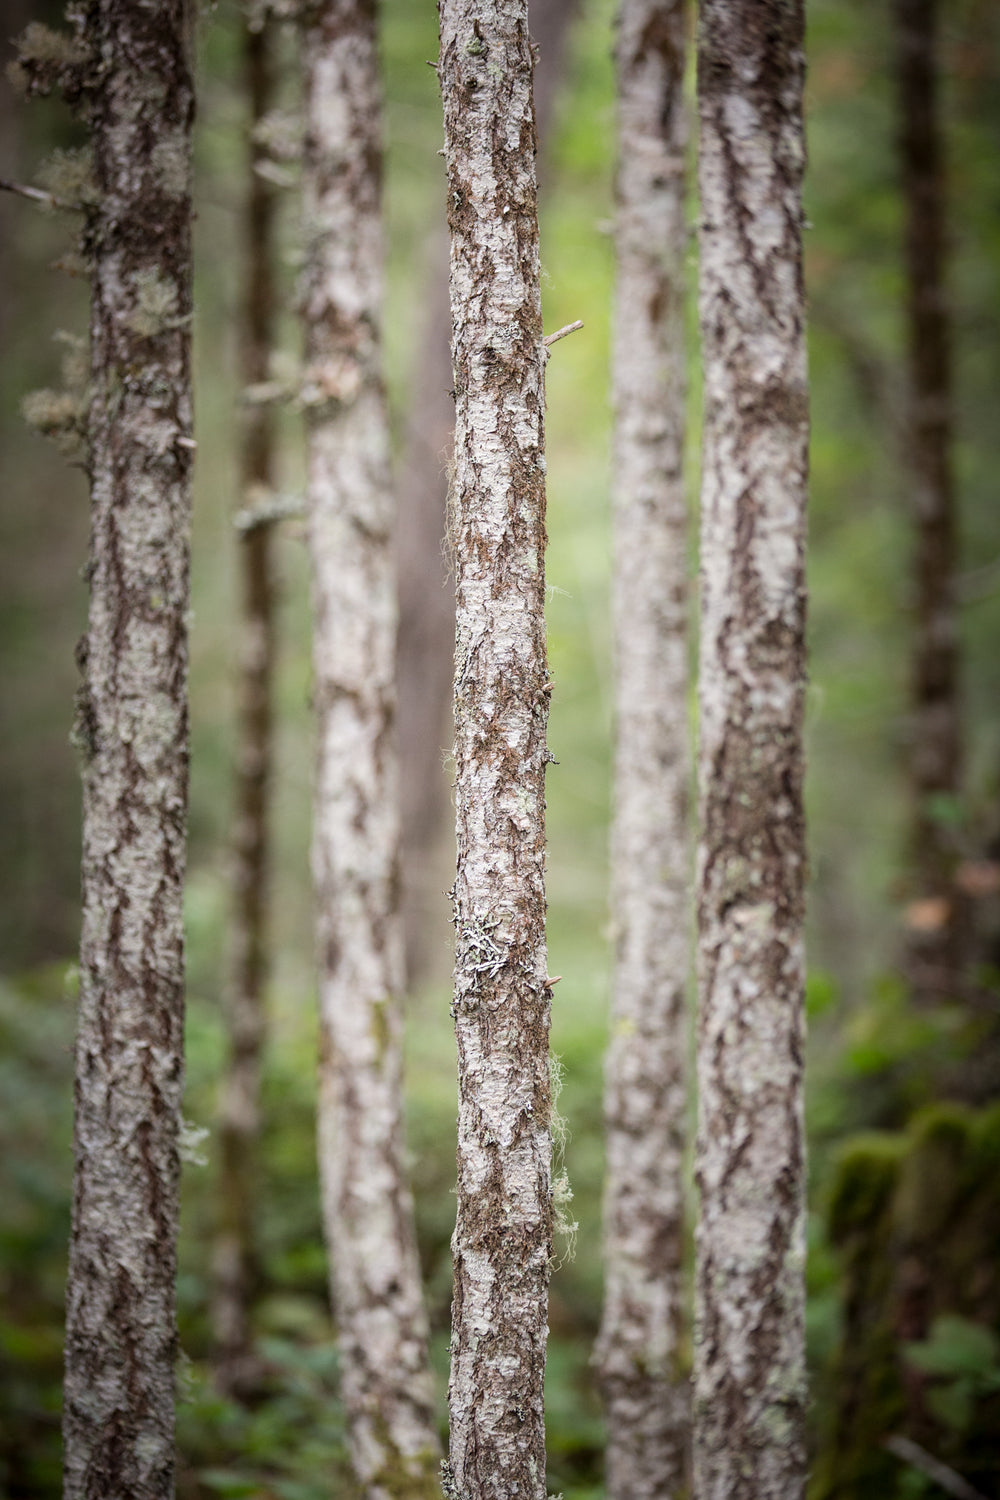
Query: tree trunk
x,y
936,750
749,1357
638,1352
368,1213
502,998
132,726
234,1261
426,589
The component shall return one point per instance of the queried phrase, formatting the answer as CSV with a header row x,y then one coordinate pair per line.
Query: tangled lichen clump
x,y
155,307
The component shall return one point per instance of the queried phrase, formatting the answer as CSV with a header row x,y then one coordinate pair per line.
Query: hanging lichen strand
x,y
502,1242
367,1208
638,1352
749,1356
118,1415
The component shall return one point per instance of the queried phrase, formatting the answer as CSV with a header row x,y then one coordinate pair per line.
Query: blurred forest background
x,y
905,1148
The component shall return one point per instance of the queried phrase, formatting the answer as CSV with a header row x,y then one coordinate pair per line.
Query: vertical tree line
x,y
502,995
934,932
367,1208
127,68
640,1345
749,1353
235,1268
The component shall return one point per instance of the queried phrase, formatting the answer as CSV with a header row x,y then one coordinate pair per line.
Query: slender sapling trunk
x,y
502,998
367,1209
638,1352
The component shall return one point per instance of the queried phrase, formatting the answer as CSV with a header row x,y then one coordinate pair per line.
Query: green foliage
x,y
963,1358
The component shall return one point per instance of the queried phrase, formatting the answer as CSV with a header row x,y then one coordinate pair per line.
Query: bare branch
x,y
911,1453
561,333
36,195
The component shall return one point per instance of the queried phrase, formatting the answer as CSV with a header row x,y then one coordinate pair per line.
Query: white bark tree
x,y
749,1355
502,997
638,1351
368,1213
129,67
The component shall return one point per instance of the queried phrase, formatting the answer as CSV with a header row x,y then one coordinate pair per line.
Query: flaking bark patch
x,y
133,72
367,1209
749,1356
503,1236
639,1348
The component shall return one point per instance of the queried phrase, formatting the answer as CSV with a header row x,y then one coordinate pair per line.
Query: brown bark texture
x,y
750,1392
638,1350
367,1208
234,1260
426,637
933,936
118,1419
503,1235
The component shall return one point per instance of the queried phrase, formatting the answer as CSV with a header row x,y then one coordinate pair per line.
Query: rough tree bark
x,y
749,1356
132,728
502,997
368,1213
239,1128
933,929
426,637
638,1358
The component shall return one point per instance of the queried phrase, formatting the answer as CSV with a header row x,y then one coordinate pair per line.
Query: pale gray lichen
x,y
155,307
190,1141
563,1223
171,162
280,133
46,59
69,176
59,416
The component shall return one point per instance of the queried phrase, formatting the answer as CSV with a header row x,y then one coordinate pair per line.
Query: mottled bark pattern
x,y
749,1357
426,589
239,1130
936,753
645,1085
502,1242
368,1212
132,729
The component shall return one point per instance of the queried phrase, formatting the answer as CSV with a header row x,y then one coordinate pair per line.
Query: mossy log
x,y
915,1218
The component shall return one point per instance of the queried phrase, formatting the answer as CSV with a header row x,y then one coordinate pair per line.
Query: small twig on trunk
x,y
553,338
36,195
918,1458
269,509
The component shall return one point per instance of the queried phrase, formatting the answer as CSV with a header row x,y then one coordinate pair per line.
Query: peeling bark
x,y
933,938
234,1261
645,1106
749,1356
132,729
368,1213
503,1234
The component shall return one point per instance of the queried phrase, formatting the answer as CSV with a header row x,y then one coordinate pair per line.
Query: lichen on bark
x,y
639,1351
118,1419
503,1235
367,1208
749,1352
